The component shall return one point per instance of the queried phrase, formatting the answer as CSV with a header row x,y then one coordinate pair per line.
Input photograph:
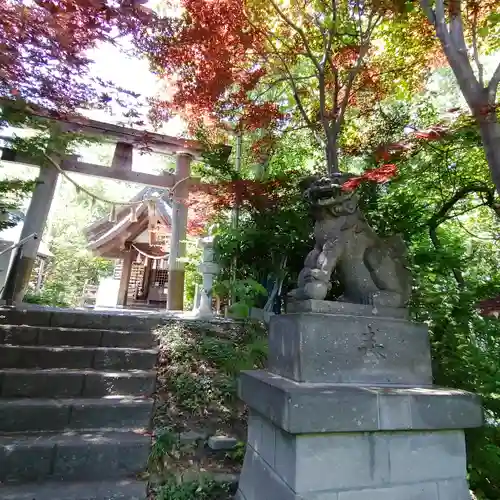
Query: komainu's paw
x,y
316,290
319,275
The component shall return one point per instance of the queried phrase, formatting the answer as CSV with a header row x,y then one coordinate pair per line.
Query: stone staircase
x,y
75,404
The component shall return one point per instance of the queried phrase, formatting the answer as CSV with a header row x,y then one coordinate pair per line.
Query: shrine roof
x,y
106,238
490,307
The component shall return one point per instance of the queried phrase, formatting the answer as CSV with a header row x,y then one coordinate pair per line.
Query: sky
x,y
112,63
130,72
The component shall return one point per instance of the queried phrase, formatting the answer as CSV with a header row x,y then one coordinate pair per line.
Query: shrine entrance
x,y
163,276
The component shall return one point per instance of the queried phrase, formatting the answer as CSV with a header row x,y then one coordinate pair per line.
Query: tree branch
x,y
355,70
457,273
291,80
300,31
475,49
295,129
328,46
457,27
440,216
271,85
476,187
457,59
493,86
441,28
475,235
428,11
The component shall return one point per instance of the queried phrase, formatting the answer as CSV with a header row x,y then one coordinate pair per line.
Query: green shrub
x,y
199,365
52,295
164,443
202,489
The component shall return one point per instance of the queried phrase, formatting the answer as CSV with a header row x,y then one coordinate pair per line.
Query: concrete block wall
x,y
417,465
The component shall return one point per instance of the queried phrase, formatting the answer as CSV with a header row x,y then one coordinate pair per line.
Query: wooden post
x,y
36,218
175,296
146,278
125,278
122,157
39,278
235,215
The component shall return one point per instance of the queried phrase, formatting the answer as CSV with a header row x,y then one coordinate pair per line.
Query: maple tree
x,y
208,200
466,29
45,43
275,65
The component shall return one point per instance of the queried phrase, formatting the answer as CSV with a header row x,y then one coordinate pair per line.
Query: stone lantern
x,y
208,269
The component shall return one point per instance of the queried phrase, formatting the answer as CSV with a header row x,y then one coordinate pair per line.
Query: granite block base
x,y
404,465
347,411
301,408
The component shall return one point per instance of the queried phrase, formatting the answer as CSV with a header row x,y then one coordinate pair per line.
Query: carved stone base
x,y
347,411
348,348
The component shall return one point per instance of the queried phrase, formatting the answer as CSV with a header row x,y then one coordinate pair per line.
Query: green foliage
x,y
12,192
202,489
444,205
199,366
231,357
245,292
238,453
192,275
216,161
259,241
165,442
71,268
52,295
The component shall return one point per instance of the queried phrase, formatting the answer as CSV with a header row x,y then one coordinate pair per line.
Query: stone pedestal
x,y
347,411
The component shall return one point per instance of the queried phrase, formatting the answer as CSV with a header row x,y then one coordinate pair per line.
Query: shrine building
x,y
138,239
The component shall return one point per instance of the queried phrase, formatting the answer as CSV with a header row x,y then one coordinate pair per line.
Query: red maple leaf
x,y
379,175
352,184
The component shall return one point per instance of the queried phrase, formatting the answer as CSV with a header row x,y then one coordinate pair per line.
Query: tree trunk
x,y
332,157
490,134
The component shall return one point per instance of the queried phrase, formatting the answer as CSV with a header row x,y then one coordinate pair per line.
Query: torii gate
x,y
121,169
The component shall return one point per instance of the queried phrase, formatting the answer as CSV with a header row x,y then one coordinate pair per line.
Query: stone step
x,y
73,456
57,415
62,490
99,358
80,319
57,336
66,383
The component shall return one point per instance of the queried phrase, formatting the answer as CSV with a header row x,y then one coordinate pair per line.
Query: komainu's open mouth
x,y
323,192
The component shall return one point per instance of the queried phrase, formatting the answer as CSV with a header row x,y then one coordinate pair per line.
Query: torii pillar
x,y
175,296
34,222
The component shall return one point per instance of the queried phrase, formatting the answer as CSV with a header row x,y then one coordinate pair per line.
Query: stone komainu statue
x,y
372,270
